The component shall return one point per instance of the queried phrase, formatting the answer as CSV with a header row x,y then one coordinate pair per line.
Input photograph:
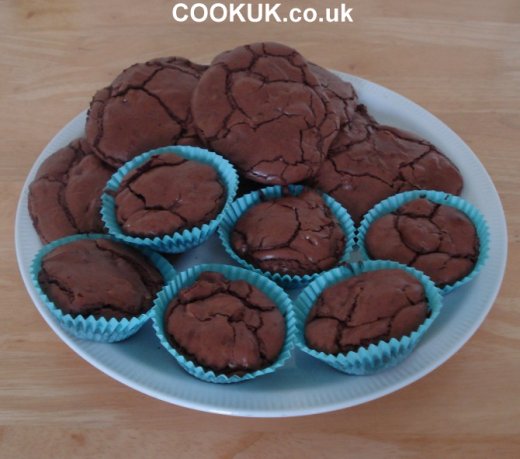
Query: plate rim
x,y
267,413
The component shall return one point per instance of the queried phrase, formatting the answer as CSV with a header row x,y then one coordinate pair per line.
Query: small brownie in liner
x,y
437,239
228,326
293,235
168,194
99,278
365,309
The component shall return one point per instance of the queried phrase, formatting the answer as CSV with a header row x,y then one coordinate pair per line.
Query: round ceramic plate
x,y
303,386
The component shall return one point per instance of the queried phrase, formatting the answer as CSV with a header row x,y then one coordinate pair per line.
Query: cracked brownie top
x,y
168,194
65,197
369,162
439,240
341,94
365,309
293,235
147,106
99,277
229,327
262,107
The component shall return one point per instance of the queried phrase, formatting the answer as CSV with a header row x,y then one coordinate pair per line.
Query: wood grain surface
x,y
459,59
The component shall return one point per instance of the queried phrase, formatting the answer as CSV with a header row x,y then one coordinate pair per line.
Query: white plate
x,y
303,386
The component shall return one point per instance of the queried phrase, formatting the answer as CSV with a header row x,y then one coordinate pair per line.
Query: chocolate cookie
x,y
293,235
99,277
369,162
226,326
436,239
365,309
64,198
168,194
342,95
261,107
147,106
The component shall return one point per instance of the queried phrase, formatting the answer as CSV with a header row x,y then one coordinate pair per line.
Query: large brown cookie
x,y
341,94
262,107
147,106
64,198
369,162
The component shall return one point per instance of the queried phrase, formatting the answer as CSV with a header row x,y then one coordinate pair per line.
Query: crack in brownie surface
x,y
439,240
227,326
147,106
293,235
365,309
261,107
369,162
100,278
65,197
168,194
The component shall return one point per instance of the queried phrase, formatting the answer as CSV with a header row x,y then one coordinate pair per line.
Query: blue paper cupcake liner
x,y
268,287
394,202
180,241
90,328
243,204
375,357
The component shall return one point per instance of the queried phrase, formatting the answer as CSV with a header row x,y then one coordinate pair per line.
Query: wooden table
x,y
458,59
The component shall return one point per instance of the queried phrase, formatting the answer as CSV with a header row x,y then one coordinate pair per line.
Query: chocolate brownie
x,y
342,95
369,162
168,194
64,198
147,106
261,107
293,235
99,277
437,239
226,326
366,309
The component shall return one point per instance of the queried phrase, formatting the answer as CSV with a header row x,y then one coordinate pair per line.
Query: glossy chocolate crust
x,y
369,162
168,194
229,327
147,106
101,278
365,309
293,235
260,106
436,239
65,197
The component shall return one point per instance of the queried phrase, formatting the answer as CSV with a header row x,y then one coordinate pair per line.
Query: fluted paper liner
x,y
243,204
268,287
394,202
375,357
89,327
179,241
